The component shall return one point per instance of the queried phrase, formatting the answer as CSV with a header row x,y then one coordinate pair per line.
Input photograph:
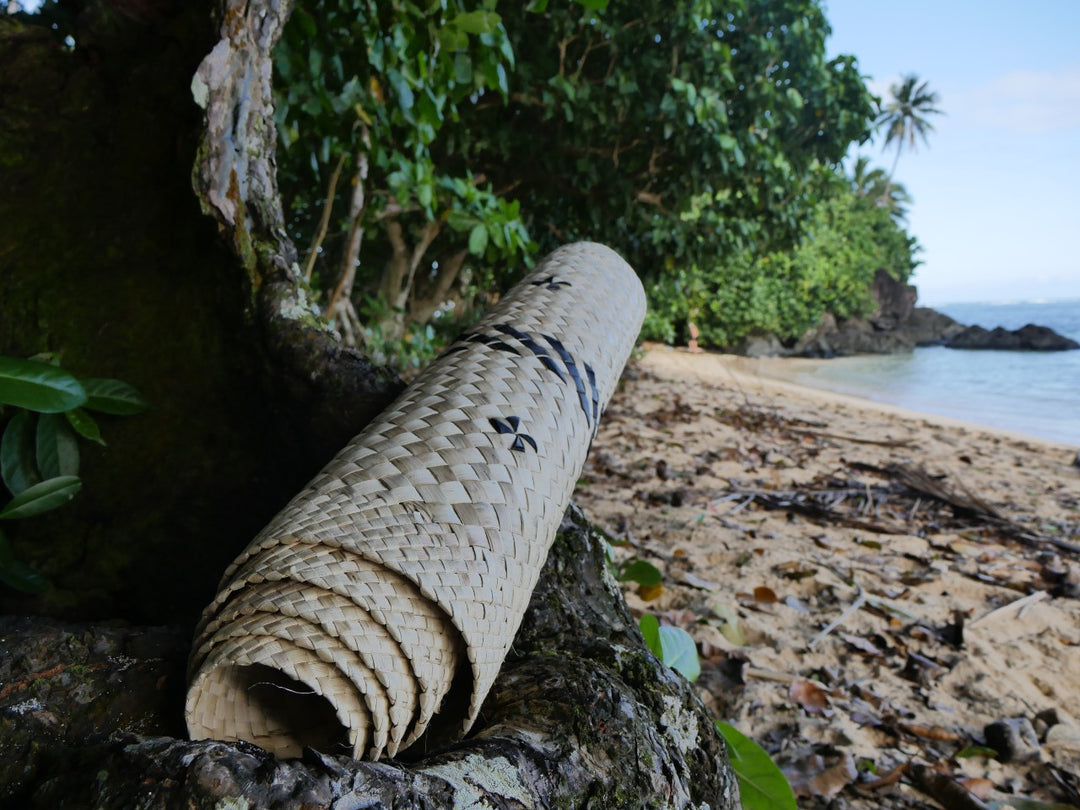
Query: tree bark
x,y
108,257
582,715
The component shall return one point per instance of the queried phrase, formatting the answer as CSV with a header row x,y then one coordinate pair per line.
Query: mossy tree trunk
x,y
108,257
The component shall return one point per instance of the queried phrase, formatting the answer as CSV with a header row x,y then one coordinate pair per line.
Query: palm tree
x,y
905,114
875,185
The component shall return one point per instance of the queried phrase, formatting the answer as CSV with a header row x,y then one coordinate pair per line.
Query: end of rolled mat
x,y
264,706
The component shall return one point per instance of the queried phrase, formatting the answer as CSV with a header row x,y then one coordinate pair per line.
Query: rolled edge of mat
x,y
280,705
494,383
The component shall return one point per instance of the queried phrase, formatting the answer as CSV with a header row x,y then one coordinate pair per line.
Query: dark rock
x,y
896,301
928,327
1044,721
1027,338
1014,739
848,337
856,336
814,342
758,345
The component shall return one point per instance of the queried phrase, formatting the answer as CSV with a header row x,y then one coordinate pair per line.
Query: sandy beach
x,y
869,588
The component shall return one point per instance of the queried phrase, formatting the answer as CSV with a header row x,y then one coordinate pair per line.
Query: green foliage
x,y
39,451
701,139
370,87
905,115
38,386
672,645
639,571
42,497
762,785
847,237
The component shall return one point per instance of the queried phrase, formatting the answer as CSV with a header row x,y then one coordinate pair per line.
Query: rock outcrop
x,y
897,325
928,327
1029,338
896,301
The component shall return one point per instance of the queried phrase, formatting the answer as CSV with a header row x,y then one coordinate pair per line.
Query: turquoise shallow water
x,y
1034,393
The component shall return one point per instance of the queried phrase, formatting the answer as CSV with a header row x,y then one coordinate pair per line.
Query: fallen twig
x,y
852,439
860,600
943,789
1017,605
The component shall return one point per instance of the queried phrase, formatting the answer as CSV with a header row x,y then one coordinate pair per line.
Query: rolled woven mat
x,y
380,603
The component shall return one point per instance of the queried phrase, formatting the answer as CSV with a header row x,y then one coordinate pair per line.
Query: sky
x,y
996,189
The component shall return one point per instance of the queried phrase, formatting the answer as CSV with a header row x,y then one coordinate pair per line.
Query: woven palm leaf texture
x,y
380,603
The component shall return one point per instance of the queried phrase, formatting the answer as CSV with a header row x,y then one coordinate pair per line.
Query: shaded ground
x,y
869,589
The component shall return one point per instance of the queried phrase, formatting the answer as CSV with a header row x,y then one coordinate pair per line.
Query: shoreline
x,y
866,585
784,373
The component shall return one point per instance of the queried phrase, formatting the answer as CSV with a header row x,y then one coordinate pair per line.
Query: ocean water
x,y
1034,393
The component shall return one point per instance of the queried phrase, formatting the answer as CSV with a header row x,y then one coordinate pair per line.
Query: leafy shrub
x,y
39,449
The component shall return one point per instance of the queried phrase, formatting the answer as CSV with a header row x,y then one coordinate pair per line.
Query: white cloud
x,y
1024,101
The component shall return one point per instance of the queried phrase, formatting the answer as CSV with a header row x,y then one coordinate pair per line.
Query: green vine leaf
x,y
680,652
113,397
37,386
650,628
85,425
641,572
672,645
17,453
43,497
762,785
57,447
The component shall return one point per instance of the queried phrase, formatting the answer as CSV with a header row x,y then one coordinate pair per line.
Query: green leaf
x,y
57,447
461,221
462,68
85,425
404,93
17,574
641,572
477,22
17,453
679,652
306,22
453,39
478,240
650,628
113,396
42,497
38,386
762,785
975,751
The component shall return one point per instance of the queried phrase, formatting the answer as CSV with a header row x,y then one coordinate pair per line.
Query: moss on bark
x,y
106,258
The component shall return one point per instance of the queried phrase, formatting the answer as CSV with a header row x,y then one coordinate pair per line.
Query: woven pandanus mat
x,y
381,601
